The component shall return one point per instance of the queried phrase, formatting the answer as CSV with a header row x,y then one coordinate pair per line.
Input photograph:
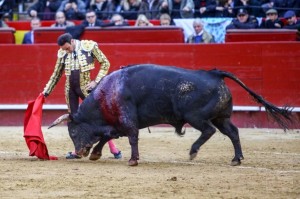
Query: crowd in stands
x,y
104,13
130,9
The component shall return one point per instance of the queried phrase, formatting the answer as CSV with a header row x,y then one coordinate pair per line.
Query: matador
x,y
77,58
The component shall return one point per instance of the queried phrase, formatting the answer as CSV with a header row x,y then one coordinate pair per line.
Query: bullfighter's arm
x,y
103,61
56,75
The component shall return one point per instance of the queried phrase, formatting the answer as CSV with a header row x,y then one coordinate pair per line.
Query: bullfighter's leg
x,y
227,128
114,150
207,131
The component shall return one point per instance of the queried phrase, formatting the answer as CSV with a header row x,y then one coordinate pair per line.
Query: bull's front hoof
x,y
193,155
94,156
133,163
235,163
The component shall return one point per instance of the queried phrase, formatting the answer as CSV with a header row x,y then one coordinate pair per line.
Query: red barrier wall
x,y
253,35
271,69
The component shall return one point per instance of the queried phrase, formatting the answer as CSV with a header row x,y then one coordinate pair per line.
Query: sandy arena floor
x,y
271,168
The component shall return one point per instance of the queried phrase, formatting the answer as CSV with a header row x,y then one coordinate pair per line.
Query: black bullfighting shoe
x,y
72,155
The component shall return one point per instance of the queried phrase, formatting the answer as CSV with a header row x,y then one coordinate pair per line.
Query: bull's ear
x,y
65,117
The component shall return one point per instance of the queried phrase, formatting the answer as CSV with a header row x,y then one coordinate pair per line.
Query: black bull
x,y
140,96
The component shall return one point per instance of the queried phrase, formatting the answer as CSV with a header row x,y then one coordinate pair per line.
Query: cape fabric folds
x,y
32,129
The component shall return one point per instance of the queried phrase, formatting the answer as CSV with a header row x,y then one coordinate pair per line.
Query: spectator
x,y
285,5
200,35
252,6
213,8
44,9
118,20
73,9
151,8
209,9
197,5
224,8
77,59
91,20
117,5
165,20
178,8
103,8
243,21
142,21
6,8
60,20
271,21
267,4
3,24
29,36
292,21
6,17
87,4
130,8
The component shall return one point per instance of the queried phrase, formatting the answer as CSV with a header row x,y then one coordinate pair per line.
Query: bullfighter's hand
x,y
45,94
91,85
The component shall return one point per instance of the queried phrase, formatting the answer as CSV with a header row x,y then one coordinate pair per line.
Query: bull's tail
x,y
283,116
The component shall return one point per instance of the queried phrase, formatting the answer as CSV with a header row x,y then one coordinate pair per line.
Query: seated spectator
x,y
6,17
142,21
44,9
130,8
285,5
224,9
252,6
103,8
217,9
73,9
208,9
243,21
165,20
87,3
267,4
60,20
292,21
200,35
271,21
3,24
29,37
151,8
118,20
178,9
281,5
91,20
6,9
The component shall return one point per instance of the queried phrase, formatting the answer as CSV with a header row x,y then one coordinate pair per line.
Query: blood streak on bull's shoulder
x,y
108,98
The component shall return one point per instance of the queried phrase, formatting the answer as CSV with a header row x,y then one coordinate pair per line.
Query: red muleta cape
x,y
32,129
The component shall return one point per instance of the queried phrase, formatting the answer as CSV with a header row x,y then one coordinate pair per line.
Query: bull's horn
x,y
59,120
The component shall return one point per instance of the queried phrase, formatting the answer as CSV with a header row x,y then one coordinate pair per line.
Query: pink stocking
x,y
112,147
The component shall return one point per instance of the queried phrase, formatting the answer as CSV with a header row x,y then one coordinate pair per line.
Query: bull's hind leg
x,y
133,137
207,130
227,128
